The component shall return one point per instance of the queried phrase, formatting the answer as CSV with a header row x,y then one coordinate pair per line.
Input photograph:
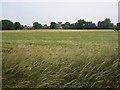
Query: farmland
x,y
56,58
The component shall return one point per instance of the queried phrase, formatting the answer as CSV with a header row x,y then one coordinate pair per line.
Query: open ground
x,y
60,58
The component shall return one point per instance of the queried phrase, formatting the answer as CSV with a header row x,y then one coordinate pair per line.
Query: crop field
x,y
59,59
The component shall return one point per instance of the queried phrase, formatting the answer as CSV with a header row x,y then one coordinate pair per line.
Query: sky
x,y
59,0
46,11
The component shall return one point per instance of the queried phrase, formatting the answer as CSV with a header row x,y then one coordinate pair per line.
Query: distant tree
x,y
36,25
66,25
90,25
94,26
115,28
53,25
118,25
80,24
22,27
25,25
106,24
46,26
59,25
100,25
7,25
17,26
72,26
0,25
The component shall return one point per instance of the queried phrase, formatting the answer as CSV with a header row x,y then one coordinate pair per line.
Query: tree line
x,y
80,24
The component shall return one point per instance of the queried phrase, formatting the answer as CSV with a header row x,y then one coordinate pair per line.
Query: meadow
x,y
59,59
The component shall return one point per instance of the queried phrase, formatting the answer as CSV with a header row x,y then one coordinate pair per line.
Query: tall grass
x,y
40,59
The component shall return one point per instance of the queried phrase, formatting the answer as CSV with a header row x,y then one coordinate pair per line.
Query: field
x,y
54,58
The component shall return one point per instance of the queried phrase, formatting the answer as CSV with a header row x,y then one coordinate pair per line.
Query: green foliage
x,y
115,28
118,26
90,25
53,59
17,26
66,25
106,24
0,25
80,24
36,25
7,25
22,27
53,25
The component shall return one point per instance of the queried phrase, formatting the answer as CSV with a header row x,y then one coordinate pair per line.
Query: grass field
x,y
40,59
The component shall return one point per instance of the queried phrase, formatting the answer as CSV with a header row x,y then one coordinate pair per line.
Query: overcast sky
x,y
45,12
